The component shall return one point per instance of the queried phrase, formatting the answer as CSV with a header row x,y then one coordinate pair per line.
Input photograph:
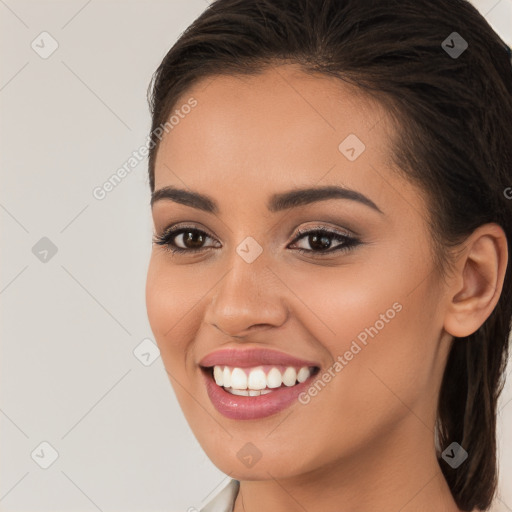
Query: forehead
x,y
274,129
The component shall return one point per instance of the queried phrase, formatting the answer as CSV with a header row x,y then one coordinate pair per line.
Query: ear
x,y
476,284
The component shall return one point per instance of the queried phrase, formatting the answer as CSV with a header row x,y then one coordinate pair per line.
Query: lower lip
x,y
239,407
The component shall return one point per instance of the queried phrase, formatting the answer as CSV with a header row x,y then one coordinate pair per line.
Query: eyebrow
x,y
277,202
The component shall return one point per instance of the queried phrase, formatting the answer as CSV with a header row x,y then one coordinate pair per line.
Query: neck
x,y
401,474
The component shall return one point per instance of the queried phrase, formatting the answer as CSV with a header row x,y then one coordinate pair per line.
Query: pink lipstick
x,y
255,383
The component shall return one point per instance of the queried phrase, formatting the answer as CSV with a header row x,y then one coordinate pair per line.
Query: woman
x,y
328,285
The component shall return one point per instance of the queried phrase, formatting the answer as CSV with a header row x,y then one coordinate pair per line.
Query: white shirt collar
x,y
224,501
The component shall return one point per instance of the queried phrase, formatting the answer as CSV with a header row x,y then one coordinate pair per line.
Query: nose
x,y
248,299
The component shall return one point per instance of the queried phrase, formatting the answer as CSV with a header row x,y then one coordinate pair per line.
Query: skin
x,y
366,441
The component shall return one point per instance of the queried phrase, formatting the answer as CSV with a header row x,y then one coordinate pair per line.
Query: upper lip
x,y
252,357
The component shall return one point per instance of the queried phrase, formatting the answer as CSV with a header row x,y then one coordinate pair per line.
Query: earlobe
x,y
477,283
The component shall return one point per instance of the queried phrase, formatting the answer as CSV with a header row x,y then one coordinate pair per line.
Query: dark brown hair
x,y
454,118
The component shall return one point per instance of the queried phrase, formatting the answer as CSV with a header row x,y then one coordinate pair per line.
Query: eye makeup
x,y
319,236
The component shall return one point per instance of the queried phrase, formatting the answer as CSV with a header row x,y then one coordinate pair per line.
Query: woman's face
x,y
363,302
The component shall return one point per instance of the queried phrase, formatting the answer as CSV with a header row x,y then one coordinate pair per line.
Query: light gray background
x,y
69,325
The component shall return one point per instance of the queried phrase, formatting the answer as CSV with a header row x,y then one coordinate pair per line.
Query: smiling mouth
x,y
258,380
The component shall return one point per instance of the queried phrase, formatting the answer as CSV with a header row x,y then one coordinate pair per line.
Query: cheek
x,y
381,338
172,299
343,304
173,294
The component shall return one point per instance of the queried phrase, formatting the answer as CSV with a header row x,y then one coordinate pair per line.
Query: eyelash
x,y
166,240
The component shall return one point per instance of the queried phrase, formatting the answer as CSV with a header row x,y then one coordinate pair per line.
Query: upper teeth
x,y
256,378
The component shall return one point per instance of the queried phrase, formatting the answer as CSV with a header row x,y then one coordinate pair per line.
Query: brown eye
x,y
322,240
184,239
191,239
